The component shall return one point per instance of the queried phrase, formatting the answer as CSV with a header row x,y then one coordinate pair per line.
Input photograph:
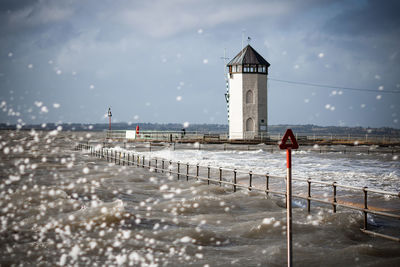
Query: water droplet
x,y
44,109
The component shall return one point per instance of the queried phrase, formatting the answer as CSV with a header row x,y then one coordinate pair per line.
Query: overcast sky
x,y
161,61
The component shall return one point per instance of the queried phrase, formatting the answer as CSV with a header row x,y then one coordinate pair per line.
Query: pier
x,y
266,138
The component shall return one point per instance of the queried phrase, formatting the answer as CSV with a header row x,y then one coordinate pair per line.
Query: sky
x,y
162,61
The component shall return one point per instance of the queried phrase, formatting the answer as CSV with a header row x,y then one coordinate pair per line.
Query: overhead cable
x,y
336,87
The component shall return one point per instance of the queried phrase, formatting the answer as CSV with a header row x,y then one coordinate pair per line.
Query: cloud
x,y
166,18
375,17
30,15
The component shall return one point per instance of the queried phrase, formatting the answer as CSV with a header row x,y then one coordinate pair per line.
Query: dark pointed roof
x,y
248,56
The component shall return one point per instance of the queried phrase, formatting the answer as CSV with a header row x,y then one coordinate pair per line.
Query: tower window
x,y
249,97
250,125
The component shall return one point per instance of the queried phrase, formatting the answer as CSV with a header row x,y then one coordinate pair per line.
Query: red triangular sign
x,y
289,135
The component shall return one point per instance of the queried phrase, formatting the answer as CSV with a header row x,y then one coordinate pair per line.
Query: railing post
x,y
267,184
197,171
162,166
250,179
179,169
234,180
123,160
128,160
187,171
149,163
208,174
170,167
155,169
119,158
220,176
334,197
365,208
115,156
143,158
309,196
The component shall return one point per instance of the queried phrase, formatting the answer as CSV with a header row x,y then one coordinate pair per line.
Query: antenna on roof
x,y
225,59
242,37
226,82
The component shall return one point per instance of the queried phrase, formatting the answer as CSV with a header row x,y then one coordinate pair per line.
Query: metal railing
x,y
152,146
263,182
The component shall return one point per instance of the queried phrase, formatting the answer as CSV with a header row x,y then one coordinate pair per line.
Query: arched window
x,y
250,125
249,97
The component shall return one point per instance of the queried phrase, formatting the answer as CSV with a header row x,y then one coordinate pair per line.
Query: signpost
x,y
289,146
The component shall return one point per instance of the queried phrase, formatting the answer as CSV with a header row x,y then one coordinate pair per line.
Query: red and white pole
x,y
109,119
289,205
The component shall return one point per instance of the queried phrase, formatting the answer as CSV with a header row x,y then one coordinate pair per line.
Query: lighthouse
x,y
247,96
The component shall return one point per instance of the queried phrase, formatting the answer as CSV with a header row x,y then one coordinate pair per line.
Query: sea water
x,y
62,207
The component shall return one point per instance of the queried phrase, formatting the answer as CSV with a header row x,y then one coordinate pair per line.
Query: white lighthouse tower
x,y
247,109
